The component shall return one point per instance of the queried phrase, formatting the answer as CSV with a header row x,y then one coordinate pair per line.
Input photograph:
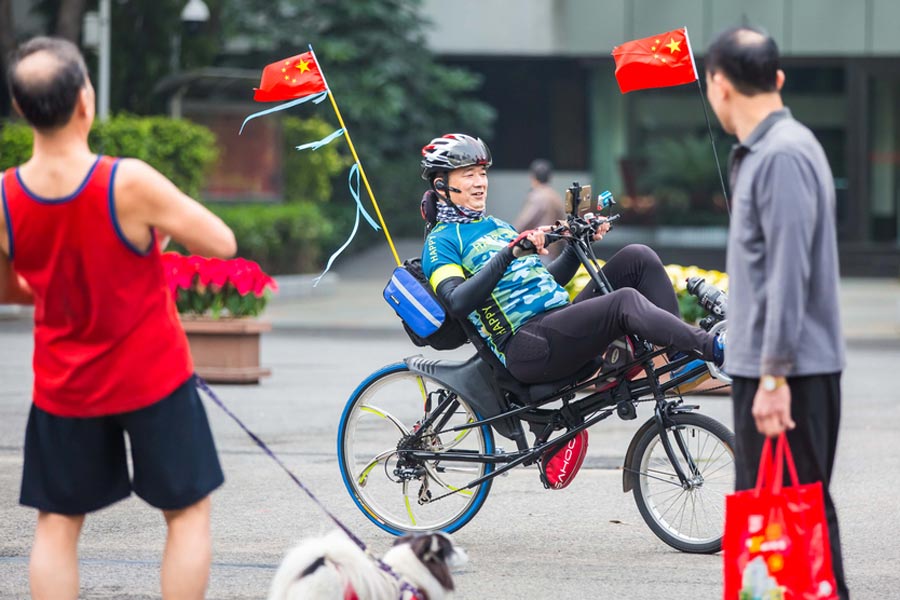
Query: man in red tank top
x,y
80,238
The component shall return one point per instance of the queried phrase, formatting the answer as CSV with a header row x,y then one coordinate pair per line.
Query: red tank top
x,y
107,338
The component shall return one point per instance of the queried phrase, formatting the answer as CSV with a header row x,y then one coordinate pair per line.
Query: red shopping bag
x,y
776,543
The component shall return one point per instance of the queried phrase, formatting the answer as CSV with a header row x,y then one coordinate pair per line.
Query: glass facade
x,y
883,159
541,110
663,169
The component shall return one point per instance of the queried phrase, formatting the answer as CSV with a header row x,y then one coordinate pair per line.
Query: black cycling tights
x,y
561,341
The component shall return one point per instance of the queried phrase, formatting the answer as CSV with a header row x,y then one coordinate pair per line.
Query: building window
x,y
541,109
884,159
671,166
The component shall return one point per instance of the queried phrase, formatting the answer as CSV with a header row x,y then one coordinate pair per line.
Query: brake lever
x,y
597,221
527,245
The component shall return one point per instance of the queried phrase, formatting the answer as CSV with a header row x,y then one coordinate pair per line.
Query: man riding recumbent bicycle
x,y
416,439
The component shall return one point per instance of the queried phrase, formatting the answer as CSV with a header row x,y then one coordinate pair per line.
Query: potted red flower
x,y
219,302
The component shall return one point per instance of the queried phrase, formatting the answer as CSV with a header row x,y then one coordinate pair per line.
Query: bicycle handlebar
x,y
578,227
575,228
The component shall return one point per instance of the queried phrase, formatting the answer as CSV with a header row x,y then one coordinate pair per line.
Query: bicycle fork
x,y
661,414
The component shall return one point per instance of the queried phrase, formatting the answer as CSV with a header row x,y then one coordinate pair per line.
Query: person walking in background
x,y
785,347
79,238
543,205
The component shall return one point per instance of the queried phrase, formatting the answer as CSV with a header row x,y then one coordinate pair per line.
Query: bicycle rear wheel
x,y
402,496
691,517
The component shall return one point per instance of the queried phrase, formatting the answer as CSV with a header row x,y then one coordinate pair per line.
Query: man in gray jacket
x,y
785,347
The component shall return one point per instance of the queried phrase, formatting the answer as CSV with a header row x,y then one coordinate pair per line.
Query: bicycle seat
x,y
475,376
525,393
539,391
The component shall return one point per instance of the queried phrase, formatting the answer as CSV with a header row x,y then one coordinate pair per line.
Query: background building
x,y
549,74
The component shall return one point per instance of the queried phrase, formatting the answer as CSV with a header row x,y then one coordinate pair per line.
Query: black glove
x,y
522,246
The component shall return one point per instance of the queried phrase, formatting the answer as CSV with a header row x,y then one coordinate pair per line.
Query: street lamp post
x,y
104,30
195,12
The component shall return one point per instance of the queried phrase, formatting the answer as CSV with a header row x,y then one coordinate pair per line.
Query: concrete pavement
x,y
587,541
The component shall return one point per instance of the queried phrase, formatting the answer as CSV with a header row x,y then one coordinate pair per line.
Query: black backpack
x,y
425,319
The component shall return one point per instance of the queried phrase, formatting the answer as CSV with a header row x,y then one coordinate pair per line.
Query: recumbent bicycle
x,y
416,442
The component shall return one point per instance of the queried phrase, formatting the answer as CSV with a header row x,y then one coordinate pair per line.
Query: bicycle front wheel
x,y
689,517
399,494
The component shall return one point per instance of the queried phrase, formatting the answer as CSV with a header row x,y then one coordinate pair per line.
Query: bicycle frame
x,y
617,394
589,410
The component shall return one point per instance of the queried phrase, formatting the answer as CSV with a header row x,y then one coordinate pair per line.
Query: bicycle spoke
x,y
437,479
364,475
671,504
667,493
384,415
459,438
669,481
409,512
661,472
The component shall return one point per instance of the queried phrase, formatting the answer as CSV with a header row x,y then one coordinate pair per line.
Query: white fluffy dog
x,y
333,567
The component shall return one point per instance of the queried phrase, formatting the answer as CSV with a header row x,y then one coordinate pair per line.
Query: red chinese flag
x,y
291,78
659,61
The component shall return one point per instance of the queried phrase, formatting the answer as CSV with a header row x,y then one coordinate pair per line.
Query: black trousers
x,y
816,409
559,342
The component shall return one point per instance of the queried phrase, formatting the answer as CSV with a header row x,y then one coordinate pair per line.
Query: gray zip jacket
x,y
783,311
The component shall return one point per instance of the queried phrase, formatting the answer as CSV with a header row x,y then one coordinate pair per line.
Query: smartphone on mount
x,y
578,200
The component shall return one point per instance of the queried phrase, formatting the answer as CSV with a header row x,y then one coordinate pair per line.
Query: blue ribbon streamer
x,y
316,98
354,191
325,140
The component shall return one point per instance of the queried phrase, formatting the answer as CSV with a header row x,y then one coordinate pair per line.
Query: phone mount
x,y
579,202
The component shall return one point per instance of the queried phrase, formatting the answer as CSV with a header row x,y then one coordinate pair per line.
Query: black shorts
x,y
77,465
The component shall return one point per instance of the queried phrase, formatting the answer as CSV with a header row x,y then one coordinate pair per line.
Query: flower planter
x,y
226,350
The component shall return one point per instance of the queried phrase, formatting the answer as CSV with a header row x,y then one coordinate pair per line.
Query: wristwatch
x,y
770,383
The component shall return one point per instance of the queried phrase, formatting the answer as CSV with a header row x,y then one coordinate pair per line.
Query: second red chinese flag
x,y
659,61
290,78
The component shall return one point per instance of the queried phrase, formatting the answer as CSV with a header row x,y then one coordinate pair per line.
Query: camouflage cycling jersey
x,y
526,288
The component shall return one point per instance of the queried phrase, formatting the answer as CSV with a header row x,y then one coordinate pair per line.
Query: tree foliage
x,y
182,151
393,94
144,37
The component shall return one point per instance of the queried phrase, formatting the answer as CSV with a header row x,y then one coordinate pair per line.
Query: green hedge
x,y
282,238
309,174
181,150
15,144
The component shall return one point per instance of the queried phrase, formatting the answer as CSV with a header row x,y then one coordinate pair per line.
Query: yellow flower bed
x,y
678,275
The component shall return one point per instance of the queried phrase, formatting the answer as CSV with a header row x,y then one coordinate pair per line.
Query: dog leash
x,y
404,585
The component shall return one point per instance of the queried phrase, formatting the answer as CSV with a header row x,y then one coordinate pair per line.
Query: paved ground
x,y
587,541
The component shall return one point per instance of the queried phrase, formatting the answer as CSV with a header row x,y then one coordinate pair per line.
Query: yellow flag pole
x,y
362,172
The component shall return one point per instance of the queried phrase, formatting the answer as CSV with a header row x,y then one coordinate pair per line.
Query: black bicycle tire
x,y
713,427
